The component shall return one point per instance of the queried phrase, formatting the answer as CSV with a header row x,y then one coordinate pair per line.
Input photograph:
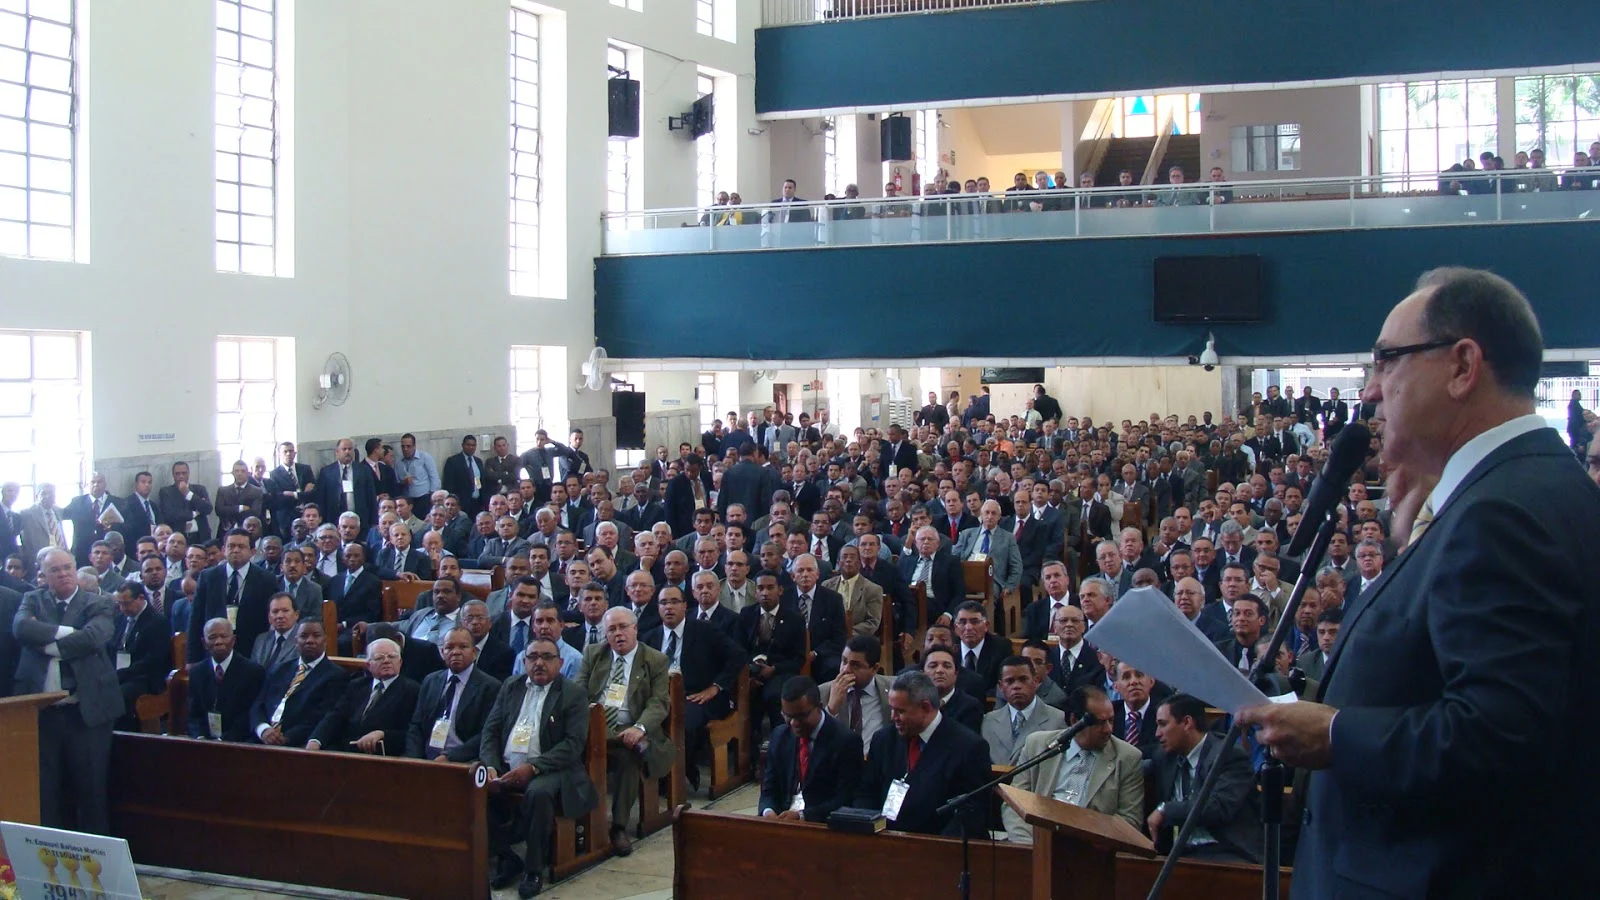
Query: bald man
x,y
221,687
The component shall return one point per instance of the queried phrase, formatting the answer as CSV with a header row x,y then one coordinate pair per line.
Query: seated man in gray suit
x,y
277,643
1099,771
859,696
991,542
1005,728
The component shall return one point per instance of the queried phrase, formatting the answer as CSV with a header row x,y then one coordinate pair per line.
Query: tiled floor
x,y
646,874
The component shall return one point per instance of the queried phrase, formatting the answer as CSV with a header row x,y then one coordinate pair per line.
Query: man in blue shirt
x,y
417,474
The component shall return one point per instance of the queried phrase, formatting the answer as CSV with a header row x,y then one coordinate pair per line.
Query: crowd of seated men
x,y
1528,172
773,549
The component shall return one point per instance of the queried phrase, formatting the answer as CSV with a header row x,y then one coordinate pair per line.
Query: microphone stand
x,y
1272,775
1056,748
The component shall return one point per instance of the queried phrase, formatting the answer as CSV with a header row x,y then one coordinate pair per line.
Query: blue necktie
x,y
985,547
519,638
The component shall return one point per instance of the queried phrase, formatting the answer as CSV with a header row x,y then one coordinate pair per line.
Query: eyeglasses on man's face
x,y
1382,356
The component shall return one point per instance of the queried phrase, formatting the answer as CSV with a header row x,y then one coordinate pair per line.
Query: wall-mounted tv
x,y
1207,289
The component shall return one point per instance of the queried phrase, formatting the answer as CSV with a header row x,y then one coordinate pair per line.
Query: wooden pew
x,y
980,584
477,582
570,856
330,620
178,686
919,595
400,597
729,740
1008,620
720,855
150,709
652,815
397,827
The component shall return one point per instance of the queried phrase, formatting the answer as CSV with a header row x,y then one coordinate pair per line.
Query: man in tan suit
x,y
859,696
863,600
1099,771
629,681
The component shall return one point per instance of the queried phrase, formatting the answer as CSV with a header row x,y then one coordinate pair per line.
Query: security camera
x,y
1208,356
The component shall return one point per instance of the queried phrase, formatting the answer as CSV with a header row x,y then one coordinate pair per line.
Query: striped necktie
x,y
1424,521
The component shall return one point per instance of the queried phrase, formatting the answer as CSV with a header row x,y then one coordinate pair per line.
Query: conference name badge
x,y
123,659
441,731
799,804
522,739
214,725
978,556
895,797
233,616
616,695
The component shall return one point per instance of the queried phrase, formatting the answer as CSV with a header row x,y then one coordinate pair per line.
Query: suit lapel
x,y
1100,772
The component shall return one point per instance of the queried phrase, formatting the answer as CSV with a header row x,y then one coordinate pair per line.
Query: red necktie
x,y
1020,522
913,751
805,758
955,528
1131,735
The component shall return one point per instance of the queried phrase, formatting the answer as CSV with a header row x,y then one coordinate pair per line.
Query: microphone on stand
x,y
1060,743
1349,451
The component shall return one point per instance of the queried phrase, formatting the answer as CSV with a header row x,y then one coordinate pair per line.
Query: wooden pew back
x,y
334,820
569,856
730,737
652,816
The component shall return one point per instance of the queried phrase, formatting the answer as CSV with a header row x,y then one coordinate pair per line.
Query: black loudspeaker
x,y
895,132
628,409
622,104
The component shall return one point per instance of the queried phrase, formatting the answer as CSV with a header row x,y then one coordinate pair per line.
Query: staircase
x,y
1133,154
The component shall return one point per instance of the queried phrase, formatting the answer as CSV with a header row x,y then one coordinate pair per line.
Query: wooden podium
x,y
19,755
1074,849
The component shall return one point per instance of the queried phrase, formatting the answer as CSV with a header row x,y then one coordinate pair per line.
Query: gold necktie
x,y
1424,519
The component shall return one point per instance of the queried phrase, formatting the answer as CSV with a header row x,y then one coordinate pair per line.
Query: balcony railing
x,y
804,12
1155,210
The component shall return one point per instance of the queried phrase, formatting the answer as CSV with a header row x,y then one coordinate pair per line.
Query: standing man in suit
x,y
297,694
774,638
11,526
1335,413
1022,715
453,704
1099,771
686,492
990,542
141,649
344,485
372,714
89,514
138,511
41,526
1229,825
502,469
923,761
236,591
813,761
896,452
10,650
288,486
240,500
543,465
629,681
63,632
463,477
1465,639
416,475
185,507
534,742
222,687
744,484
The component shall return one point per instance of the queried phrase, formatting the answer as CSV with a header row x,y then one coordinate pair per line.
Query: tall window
x,y
37,128
705,148
1142,115
1559,114
247,136
527,398
1266,148
925,136
705,16
830,157
248,424
705,396
526,152
620,186
44,412
635,5
1424,127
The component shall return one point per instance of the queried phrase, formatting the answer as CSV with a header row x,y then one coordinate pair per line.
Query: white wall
x,y
1118,393
1332,138
399,119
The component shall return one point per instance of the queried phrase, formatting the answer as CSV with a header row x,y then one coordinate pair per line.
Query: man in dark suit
x,y
1038,616
502,468
141,648
222,687
774,638
1425,741
534,744
372,714
357,593
807,497
710,661
1335,413
1134,713
1031,536
543,464
1246,619
823,612
813,760
1073,662
961,693
1228,827
347,485
896,451
185,507
88,513
296,695
10,650
978,651
453,704
288,486
955,519
686,492
138,511
463,476
708,606
744,483
63,632
930,564
788,208
234,590
936,758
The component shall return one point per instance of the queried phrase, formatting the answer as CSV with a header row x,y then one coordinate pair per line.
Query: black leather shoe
x,y
506,871
621,844
693,776
530,886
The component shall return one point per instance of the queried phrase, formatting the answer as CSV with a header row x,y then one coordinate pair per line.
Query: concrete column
x,y
1505,95
1071,128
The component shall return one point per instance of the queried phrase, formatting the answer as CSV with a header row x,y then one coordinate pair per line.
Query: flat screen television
x,y
704,116
1013,376
1208,289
